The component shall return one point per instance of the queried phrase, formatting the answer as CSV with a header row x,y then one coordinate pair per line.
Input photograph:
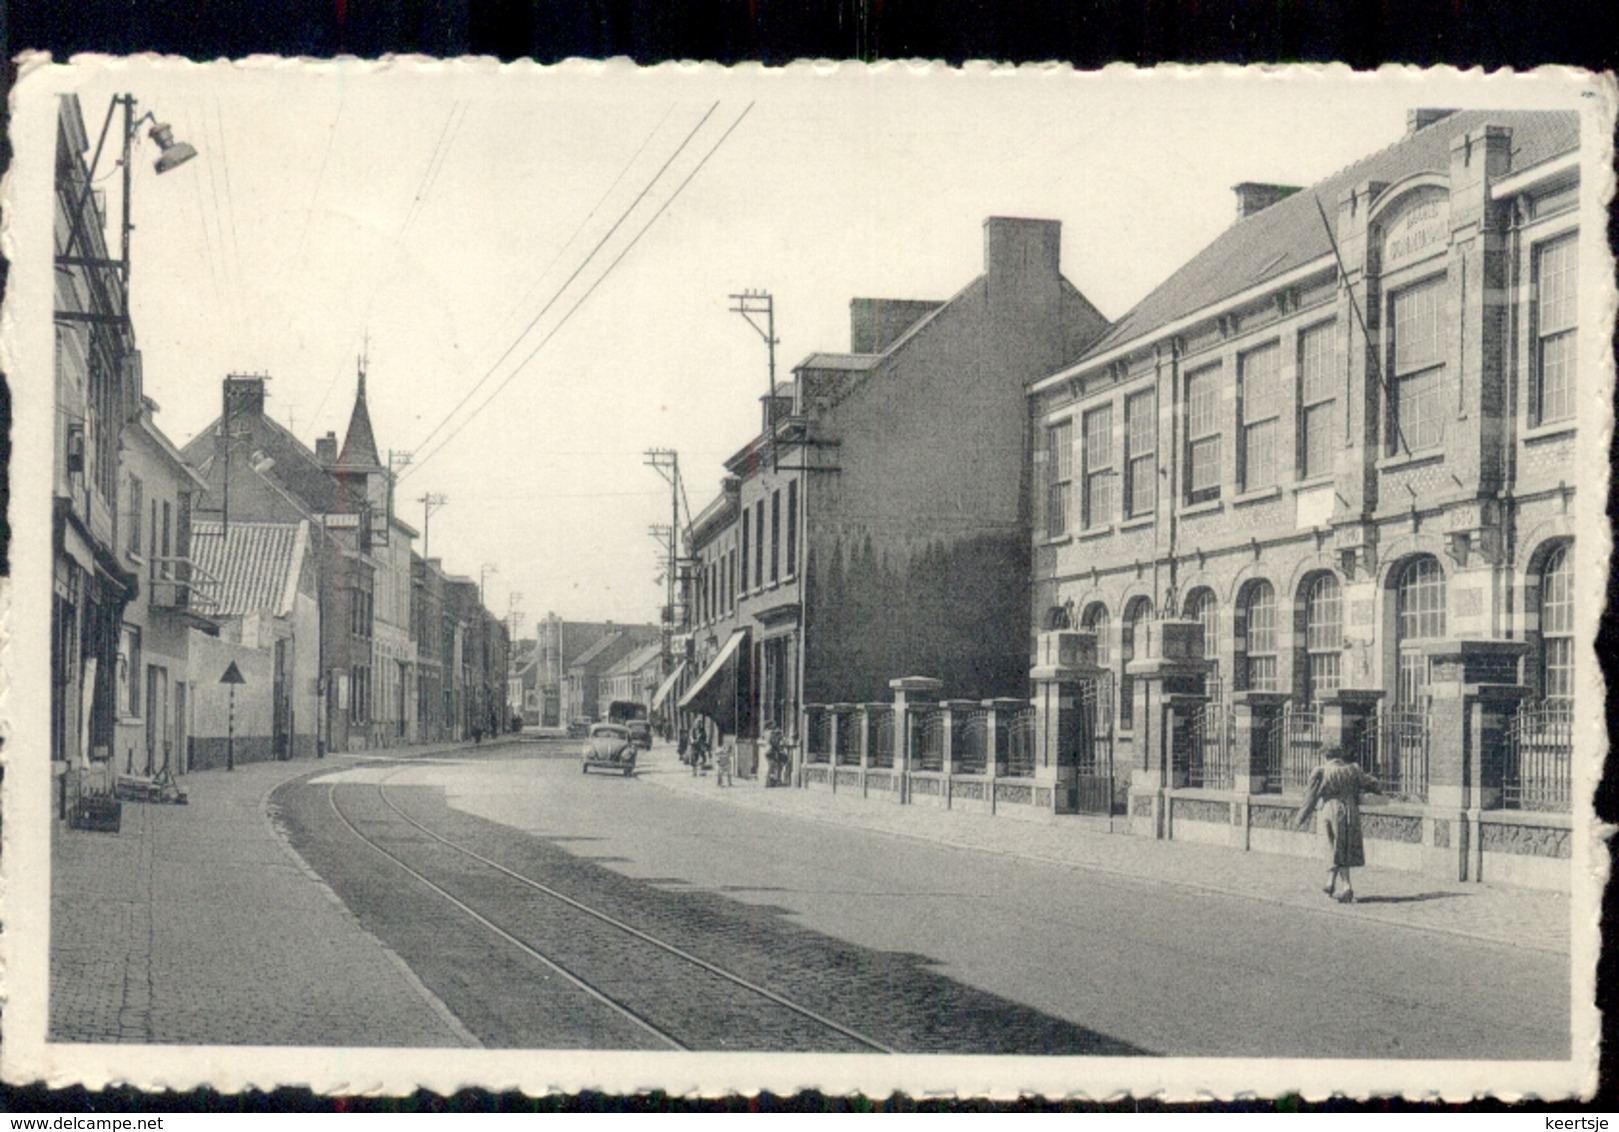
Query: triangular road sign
x,y
233,675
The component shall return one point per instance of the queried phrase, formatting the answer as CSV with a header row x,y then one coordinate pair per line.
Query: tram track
x,y
675,998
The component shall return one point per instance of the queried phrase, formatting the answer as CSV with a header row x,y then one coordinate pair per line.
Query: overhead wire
x,y
566,283
434,162
588,292
568,243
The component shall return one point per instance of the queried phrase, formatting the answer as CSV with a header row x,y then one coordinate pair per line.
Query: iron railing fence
x,y
927,739
969,741
1393,748
847,729
1291,748
1538,769
1020,739
817,735
1204,747
881,727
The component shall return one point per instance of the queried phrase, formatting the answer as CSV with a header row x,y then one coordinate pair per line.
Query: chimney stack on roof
x,y
1423,117
326,449
1253,196
244,396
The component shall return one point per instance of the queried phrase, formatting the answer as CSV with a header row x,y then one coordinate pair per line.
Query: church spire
x,y
360,443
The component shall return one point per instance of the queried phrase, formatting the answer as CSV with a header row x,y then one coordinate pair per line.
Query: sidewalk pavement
x,y
1512,916
197,924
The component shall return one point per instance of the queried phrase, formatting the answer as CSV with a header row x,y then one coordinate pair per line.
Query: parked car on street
x,y
609,747
578,728
632,715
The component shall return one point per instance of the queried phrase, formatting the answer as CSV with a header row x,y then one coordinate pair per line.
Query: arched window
x,y
1256,637
1095,621
1202,606
1323,636
1136,614
1419,611
1056,618
1557,625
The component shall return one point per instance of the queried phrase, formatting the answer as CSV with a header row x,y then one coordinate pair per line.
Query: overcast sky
x,y
437,214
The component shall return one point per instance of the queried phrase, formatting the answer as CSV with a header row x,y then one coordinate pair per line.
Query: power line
x,y
623,216
429,174
589,216
592,289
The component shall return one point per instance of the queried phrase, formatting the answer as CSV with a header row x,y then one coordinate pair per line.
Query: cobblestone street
x,y
194,924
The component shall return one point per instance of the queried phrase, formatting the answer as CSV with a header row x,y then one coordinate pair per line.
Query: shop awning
x,y
668,685
721,691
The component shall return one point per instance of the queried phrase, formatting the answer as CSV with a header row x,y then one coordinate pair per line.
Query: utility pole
x,y
430,502
753,306
666,462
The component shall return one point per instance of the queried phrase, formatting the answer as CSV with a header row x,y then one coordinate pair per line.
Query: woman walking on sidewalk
x,y
1336,786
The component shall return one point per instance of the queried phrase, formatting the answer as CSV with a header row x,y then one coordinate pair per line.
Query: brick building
x,y
876,525
1316,491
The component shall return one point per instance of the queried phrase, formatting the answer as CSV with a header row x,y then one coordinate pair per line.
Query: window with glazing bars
x,y
1203,607
1419,599
1097,505
1318,399
1257,643
1135,614
1095,620
1203,434
1059,476
1140,452
1258,372
1556,300
1416,348
1557,626
1323,637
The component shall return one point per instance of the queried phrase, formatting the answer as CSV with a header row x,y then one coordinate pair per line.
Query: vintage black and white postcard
x,y
978,581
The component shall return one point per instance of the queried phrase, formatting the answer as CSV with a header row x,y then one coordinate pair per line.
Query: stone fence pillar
x,y
1064,661
908,691
1255,717
1171,677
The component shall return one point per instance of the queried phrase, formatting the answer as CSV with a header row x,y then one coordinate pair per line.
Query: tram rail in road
x,y
679,999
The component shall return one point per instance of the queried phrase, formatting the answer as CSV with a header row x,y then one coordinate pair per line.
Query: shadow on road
x,y
1412,898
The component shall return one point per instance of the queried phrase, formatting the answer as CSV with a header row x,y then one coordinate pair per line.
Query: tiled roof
x,y
251,562
1289,233
592,655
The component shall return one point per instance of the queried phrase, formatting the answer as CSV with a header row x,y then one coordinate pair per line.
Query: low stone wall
x,y
976,793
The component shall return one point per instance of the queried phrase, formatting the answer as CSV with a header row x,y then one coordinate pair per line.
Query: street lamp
x,y
172,154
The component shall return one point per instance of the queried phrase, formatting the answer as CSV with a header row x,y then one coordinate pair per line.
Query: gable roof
x,y
635,661
1289,233
255,566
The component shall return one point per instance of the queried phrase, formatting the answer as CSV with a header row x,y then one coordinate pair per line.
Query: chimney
x,y
1021,249
326,449
1252,196
244,396
1425,116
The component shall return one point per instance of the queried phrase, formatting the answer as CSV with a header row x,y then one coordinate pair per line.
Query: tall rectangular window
x,y
1140,452
775,537
1203,434
1417,363
1258,372
759,544
792,527
1318,399
136,506
1097,501
747,515
1556,300
1059,476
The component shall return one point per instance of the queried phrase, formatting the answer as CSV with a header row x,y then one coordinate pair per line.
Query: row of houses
x,y
1314,492
246,597
573,670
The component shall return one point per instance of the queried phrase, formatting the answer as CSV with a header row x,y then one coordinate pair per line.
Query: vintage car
x,y
610,747
640,733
